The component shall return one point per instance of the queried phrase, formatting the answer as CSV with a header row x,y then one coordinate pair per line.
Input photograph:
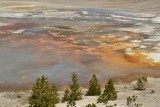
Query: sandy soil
x,y
146,97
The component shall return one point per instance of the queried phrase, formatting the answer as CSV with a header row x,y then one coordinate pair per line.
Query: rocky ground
x,y
148,98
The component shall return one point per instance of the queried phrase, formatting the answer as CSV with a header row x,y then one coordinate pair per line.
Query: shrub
x,y
74,93
19,96
94,87
131,101
43,95
140,85
91,105
109,93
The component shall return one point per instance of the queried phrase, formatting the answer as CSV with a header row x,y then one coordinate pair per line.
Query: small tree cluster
x,y
74,93
109,93
43,95
94,87
131,101
91,105
140,85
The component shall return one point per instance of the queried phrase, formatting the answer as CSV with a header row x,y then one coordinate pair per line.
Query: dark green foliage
x,y
55,95
66,96
131,101
140,85
94,87
91,105
74,93
71,102
109,93
19,96
43,95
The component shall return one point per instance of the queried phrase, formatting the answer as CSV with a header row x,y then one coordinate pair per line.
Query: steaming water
x,y
28,49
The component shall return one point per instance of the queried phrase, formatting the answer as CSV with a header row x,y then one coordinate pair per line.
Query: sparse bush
x,y
91,105
74,93
152,92
140,85
18,96
115,104
131,101
94,87
109,93
43,95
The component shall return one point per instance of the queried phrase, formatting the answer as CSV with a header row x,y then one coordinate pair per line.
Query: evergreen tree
x,y
94,87
74,92
43,95
66,96
71,102
55,95
109,93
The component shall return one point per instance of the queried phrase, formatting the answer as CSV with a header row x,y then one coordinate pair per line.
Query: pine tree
x,y
71,102
55,95
43,95
109,93
66,96
74,92
94,87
